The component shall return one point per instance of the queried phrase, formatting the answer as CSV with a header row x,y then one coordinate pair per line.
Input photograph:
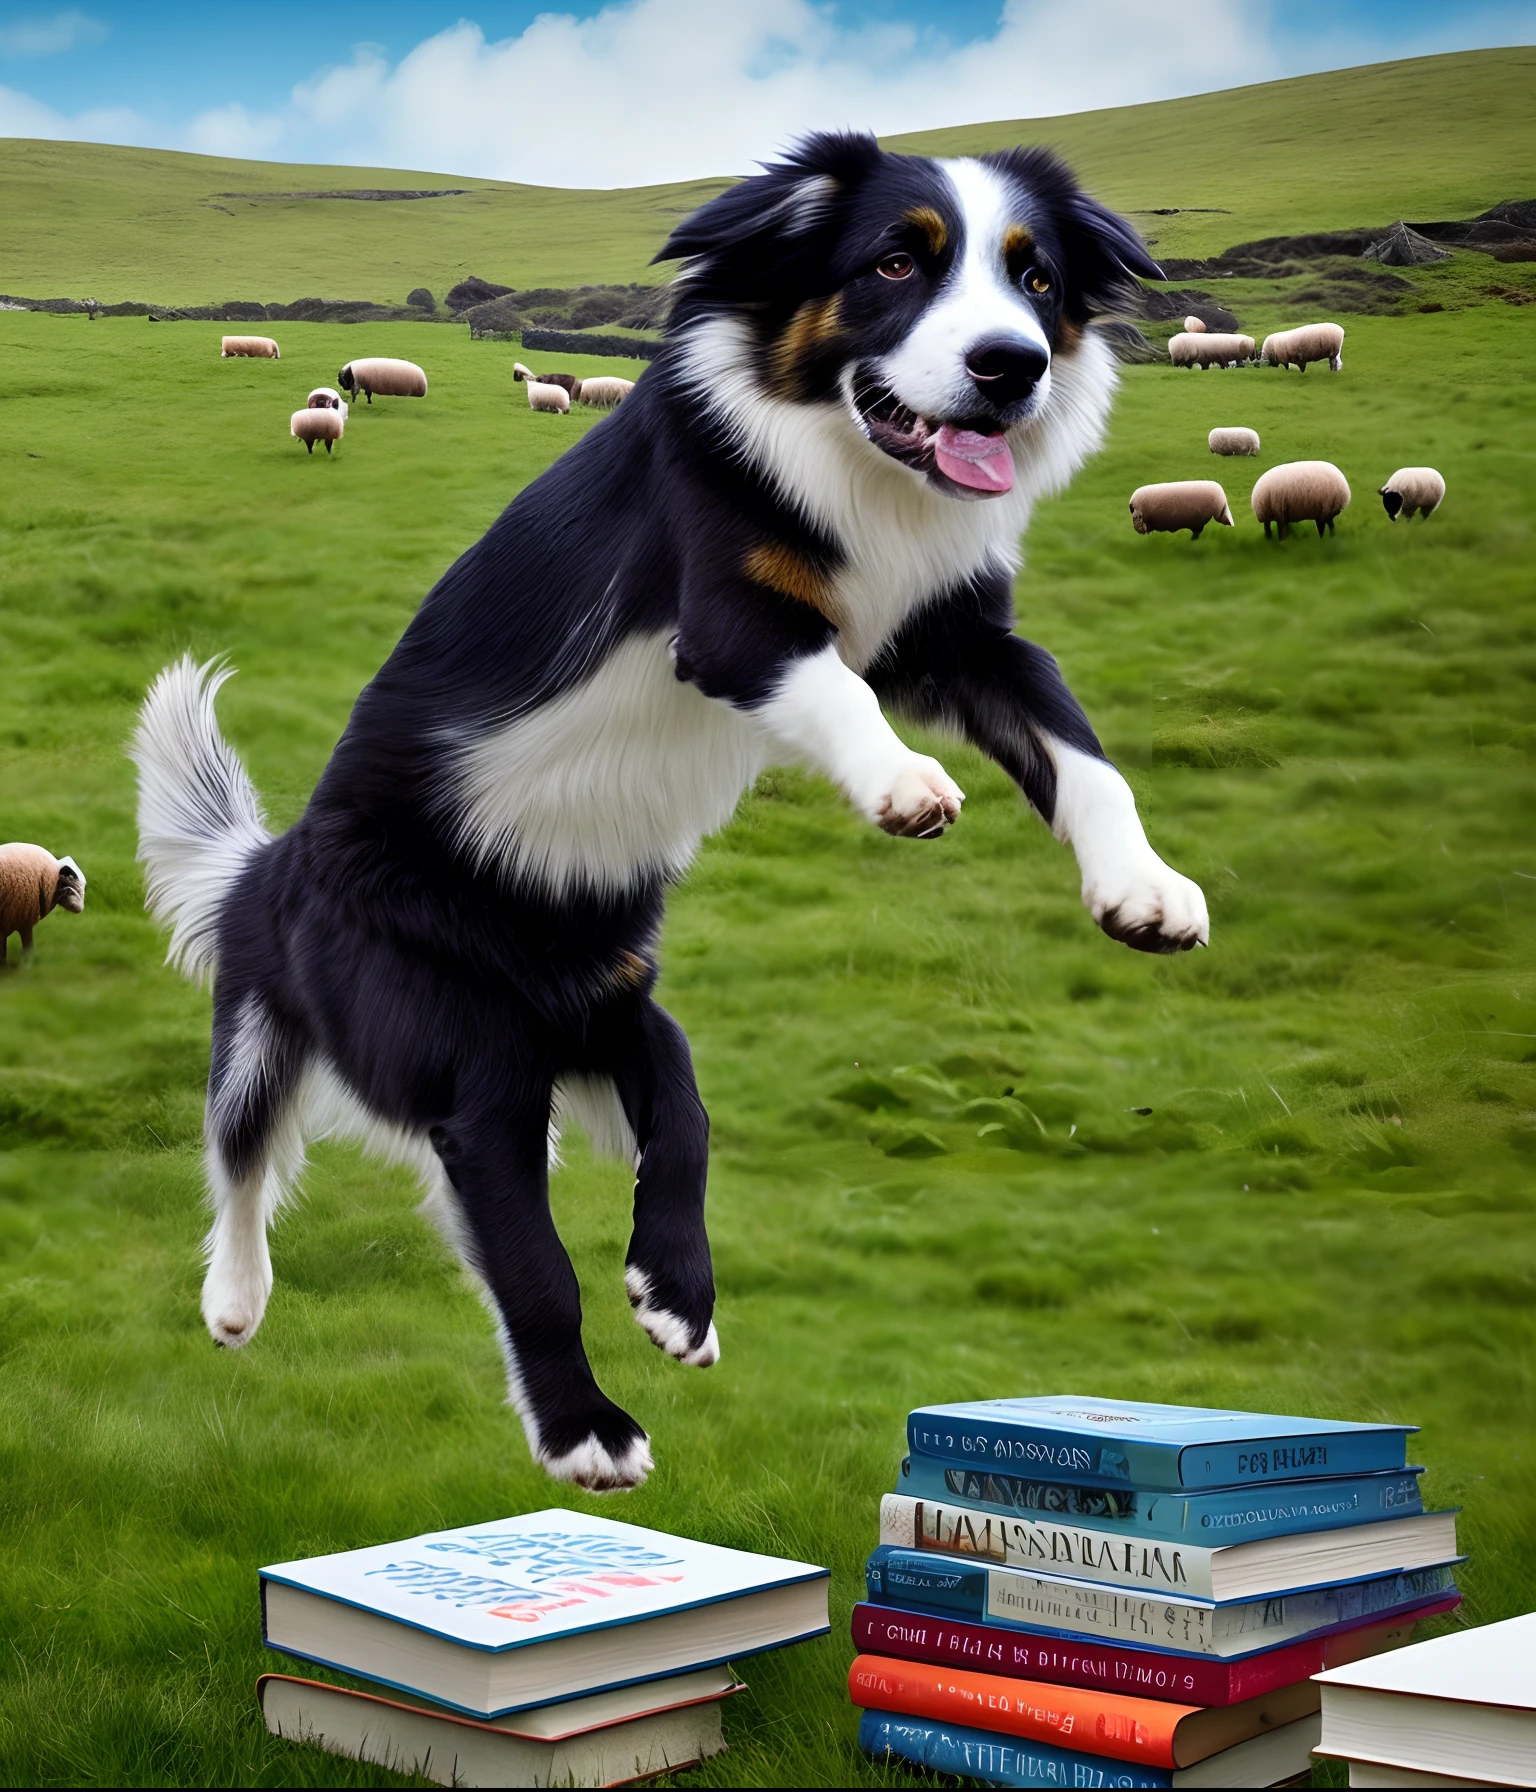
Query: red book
x,y
1144,1673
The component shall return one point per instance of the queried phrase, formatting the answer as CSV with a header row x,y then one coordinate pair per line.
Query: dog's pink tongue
x,y
985,463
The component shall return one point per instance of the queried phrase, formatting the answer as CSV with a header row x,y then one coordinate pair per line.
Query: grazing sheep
x,y
327,398
1208,349
1195,325
260,348
1182,504
1233,441
316,425
604,392
548,398
33,883
570,381
1300,491
390,379
1411,489
1307,342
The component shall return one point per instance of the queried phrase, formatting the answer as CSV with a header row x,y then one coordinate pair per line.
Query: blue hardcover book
x,y
1179,1624
1219,1515
1125,1443
531,1610
1010,1761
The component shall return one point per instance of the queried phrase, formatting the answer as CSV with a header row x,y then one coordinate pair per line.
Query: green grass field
x,y
1437,137
921,1059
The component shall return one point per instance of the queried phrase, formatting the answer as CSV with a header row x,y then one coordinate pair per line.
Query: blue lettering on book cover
x,y
556,1570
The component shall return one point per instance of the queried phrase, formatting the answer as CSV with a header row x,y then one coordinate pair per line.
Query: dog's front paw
x,y
691,1340
1151,908
611,1463
235,1294
922,801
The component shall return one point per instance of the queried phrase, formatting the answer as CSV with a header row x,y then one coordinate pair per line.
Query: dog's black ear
x,y
763,241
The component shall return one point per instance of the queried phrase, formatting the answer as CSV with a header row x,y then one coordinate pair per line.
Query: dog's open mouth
x,y
965,462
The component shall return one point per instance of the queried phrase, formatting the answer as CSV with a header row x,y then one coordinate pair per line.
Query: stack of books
x,y
1458,1710
1074,1592
550,1649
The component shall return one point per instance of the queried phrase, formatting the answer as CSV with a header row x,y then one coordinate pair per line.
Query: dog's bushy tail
x,y
199,816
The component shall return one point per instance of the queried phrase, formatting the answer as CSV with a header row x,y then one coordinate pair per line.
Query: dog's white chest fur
x,y
623,775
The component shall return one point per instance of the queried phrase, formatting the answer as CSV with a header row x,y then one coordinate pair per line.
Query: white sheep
x,y
1307,342
327,398
1209,349
1411,489
605,391
313,425
378,373
1180,504
1195,325
1233,441
548,398
260,348
572,382
1300,491
33,883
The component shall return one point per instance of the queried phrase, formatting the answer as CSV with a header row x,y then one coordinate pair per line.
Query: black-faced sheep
x,y
314,424
604,392
1192,348
1300,491
1411,489
378,373
327,398
547,398
1233,441
33,883
1307,342
1181,504
259,348
572,383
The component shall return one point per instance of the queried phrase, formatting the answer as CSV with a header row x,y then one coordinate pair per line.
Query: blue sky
x,y
653,89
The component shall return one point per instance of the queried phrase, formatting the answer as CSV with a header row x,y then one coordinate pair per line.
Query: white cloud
x,y
51,36
657,90
23,116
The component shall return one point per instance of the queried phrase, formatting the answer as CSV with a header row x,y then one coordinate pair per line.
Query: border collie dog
x,y
809,507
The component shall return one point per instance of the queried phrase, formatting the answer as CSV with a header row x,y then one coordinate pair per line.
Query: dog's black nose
x,y
1006,369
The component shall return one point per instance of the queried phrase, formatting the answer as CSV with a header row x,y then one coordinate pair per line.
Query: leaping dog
x,y
811,505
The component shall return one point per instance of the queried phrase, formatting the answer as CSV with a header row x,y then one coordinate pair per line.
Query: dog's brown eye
x,y
896,267
1038,282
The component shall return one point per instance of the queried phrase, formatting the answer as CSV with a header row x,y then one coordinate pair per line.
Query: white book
x,y
1461,1706
1257,1570
525,1611
608,1739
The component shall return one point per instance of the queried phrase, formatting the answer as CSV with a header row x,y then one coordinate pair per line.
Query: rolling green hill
x,y
1442,136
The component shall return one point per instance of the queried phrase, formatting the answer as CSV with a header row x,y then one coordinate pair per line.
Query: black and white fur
x,y
455,945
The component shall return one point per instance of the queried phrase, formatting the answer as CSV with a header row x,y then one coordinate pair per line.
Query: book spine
x,y
1045,1544
1105,1723
1264,1460
1046,1454
1001,1760
1219,1516
1143,1673
907,1577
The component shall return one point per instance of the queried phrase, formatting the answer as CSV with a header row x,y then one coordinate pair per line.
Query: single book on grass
x,y
1461,1706
1221,1571
498,1617
1148,1673
1128,1443
608,1739
968,1753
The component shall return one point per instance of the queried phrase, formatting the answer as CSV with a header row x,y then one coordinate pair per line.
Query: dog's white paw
x,y
592,1465
1150,907
666,1330
235,1293
922,801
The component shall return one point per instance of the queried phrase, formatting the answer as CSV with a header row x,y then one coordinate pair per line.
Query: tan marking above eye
x,y
896,267
927,220
1017,243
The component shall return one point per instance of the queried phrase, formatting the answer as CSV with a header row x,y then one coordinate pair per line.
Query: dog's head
x,y
929,300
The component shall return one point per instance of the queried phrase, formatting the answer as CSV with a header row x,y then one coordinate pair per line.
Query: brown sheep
x,y
570,381
1300,491
33,883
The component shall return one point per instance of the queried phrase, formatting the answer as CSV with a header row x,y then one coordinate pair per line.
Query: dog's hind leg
x,y
667,1269
494,1150
254,1152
